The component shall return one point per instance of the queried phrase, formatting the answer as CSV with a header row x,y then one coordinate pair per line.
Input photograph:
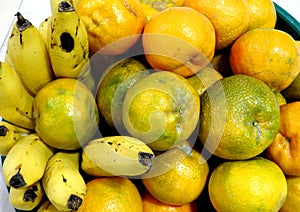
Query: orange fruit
x,y
183,182
152,7
108,21
256,184
270,55
284,150
111,194
262,14
179,39
113,86
292,201
230,18
65,113
239,117
151,204
161,109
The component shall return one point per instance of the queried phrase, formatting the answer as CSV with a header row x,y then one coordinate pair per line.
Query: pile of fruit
x,y
151,105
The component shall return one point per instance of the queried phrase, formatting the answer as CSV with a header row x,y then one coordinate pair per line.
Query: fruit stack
x,y
140,105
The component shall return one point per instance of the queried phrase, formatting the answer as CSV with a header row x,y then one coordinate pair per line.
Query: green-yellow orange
x,y
239,117
257,184
65,113
161,109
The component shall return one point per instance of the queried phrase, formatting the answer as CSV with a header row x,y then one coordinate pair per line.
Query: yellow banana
x,y
28,55
43,29
26,198
9,136
26,161
62,181
68,43
16,103
116,155
47,206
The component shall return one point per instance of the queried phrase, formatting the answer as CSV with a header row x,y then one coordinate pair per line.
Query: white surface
x,y
36,11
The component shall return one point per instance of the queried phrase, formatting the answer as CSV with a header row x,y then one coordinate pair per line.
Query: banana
x,y
68,43
16,105
9,136
43,29
63,184
26,198
26,161
118,156
47,206
28,55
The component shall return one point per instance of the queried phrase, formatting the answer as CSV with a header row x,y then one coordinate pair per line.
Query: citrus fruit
x,y
284,150
182,183
230,18
108,21
161,109
262,14
292,201
183,45
113,86
151,204
270,55
111,194
239,117
256,184
65,113
152,7
204,79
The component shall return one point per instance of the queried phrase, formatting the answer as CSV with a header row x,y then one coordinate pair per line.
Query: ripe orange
x,y
293,195
270,55
262,14
111,194
66,114
182,183
151,204
108,21
230,18
284,150
256,184
239,117
179,39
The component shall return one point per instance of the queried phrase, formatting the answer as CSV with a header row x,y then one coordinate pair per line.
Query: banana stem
x,y
22,23
65,6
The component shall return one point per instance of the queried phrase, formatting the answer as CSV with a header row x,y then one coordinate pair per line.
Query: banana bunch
x,y
28,55
116,156
10,134
62,181
26,161
16,103
26,198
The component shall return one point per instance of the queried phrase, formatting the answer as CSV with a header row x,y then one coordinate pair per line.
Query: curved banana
x,y
47,206
62,181
28,55
26,198
116,155
26,161
43,29
10,134
16,103
68,43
